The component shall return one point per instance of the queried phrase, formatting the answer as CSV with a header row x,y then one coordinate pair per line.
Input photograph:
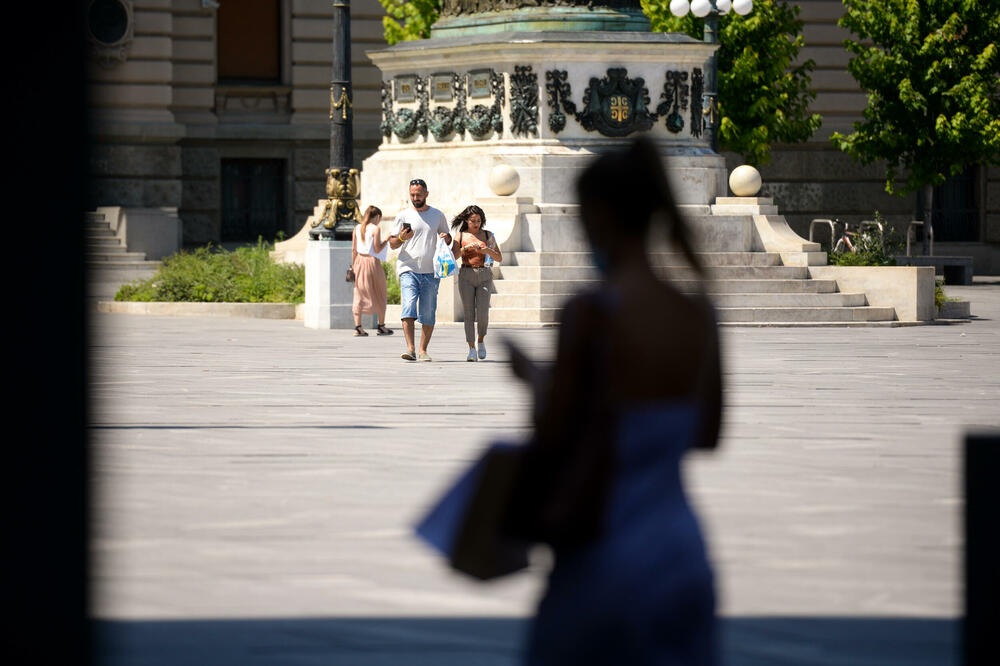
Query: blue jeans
x,y
419,296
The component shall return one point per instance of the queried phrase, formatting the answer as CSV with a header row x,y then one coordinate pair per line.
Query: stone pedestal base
x,y
328,295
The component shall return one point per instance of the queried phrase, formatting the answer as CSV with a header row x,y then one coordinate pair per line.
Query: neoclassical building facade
x,y
221,110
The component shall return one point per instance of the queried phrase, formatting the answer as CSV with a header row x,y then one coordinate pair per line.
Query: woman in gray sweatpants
x,y
475,278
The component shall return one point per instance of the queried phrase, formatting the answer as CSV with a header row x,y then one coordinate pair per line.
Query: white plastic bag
x,y
444,260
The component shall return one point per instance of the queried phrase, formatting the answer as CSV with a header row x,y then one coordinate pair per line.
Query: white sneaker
x,y
471,356
482,350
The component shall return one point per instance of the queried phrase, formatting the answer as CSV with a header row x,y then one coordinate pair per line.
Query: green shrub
x,y
392,281
940,298
871,247
214,275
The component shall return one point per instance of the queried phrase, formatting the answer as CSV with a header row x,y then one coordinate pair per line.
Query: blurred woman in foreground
x,y
636,383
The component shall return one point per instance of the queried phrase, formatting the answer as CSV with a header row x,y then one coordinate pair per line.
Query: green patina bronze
x,y
481,17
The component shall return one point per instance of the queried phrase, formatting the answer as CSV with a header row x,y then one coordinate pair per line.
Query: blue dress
x,y
643,593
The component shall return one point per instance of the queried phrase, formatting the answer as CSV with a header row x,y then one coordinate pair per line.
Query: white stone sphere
x,y
504,180
745,181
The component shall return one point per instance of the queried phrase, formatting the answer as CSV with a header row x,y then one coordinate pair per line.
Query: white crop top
x,y
366,245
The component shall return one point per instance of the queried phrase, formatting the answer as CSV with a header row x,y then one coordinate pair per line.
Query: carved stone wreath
x,y
405,124
481,120
444,121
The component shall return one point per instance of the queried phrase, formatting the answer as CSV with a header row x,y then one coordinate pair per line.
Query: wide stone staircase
x,y
759,272
748,288
109,263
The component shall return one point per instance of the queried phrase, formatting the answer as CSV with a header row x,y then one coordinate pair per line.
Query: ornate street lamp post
x,y
710,11
343,184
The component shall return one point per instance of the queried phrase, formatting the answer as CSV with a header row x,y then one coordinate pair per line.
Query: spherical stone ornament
x,y
504,180
745,181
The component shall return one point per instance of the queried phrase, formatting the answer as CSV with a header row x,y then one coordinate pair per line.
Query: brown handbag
x,y
350,274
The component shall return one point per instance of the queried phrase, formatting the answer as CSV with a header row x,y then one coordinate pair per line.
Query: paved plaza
x,y
255,483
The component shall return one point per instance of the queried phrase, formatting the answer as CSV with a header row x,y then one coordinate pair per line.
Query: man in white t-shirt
x,y
416,230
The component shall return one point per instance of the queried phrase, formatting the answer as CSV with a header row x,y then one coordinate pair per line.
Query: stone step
x,y
735,302
116,255
101,242
98,233
757,286
579,272
105,248
565,287
709,259
766,300
548,273
524,315
674,273
117,265
805,314
542,286
547,259
656,258
528,300
505,298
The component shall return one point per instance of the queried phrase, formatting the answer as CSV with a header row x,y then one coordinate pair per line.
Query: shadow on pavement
x,y
747,641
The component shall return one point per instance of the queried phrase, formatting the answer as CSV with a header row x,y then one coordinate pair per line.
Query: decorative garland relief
x,y
615,105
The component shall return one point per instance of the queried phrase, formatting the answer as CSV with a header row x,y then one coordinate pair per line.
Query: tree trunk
x,y
928,212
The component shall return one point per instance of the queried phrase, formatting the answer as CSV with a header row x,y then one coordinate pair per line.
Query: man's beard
x,y
418,203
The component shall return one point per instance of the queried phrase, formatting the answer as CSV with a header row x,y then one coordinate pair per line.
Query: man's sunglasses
x,y
417,181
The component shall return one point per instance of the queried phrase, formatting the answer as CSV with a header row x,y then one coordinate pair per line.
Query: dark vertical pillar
x,y
981,647
711,103
928,219
343,184
341,95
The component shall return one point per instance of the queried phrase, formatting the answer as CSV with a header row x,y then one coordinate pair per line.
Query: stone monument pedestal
x,y
543,104
508,119
328,295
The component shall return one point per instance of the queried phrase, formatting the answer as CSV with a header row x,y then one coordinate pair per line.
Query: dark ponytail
x,y
632,182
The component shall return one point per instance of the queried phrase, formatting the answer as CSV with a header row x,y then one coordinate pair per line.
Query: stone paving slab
x,y
255,483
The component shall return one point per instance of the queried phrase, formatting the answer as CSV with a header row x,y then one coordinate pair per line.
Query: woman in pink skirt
x,y
367,254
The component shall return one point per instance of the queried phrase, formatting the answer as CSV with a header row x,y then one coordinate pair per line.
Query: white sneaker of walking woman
x,y
482,350
472,355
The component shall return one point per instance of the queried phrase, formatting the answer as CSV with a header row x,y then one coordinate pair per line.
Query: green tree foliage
x,y
763,91
409,19
931,72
